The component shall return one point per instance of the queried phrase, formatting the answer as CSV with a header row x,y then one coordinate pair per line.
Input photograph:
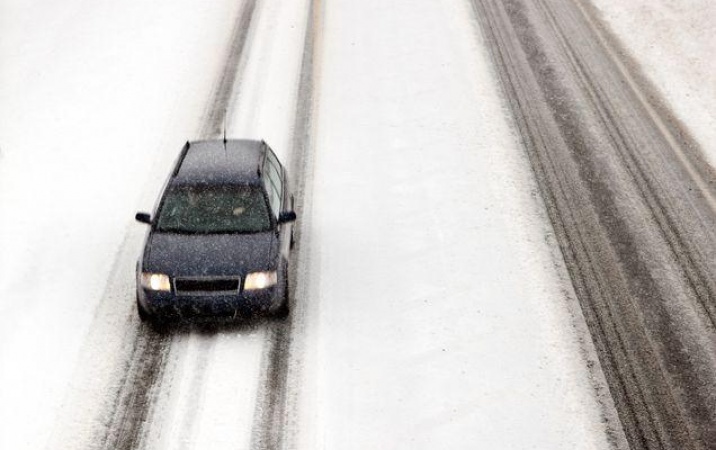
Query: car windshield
x,y
214,209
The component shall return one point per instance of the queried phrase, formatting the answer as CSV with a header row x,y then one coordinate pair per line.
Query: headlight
x,y
260,280
156,282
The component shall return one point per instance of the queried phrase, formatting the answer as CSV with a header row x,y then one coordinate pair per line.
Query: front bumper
x,y
168,305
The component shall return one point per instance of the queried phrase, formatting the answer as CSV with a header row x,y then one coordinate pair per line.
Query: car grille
x,y
199,286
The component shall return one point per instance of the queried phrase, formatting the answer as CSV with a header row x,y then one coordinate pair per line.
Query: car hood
x,y
210,254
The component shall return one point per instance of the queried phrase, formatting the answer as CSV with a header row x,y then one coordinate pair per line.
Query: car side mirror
x,y
286,216
143,217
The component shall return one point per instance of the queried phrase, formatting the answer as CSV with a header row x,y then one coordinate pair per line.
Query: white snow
x,y
435,312
90,95
674,42
441,321
209,400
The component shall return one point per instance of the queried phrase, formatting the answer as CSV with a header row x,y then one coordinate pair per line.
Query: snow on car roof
x,y
213,162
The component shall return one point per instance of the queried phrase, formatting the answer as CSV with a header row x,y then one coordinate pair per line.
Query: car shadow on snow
x,y
244,325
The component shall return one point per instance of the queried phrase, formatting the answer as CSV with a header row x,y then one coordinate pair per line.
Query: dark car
x,y
220,236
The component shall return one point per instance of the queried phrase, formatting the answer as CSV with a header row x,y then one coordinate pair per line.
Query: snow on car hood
x,y
210,254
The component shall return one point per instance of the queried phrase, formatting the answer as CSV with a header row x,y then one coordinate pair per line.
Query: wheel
x,y
154,322
283,310
144,315
293,226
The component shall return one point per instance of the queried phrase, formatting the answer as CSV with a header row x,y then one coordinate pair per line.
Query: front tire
x,y
144,315
283,310
154,322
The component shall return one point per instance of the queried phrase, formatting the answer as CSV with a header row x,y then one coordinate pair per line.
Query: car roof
x,y
237,161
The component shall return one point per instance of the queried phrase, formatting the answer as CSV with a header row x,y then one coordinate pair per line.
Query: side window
x,y
275,201
273,170
275,179
271,156
274,198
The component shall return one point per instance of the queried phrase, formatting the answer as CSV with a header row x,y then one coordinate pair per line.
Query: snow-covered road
x,y
197,387
437,309
431,303
95,100
633,207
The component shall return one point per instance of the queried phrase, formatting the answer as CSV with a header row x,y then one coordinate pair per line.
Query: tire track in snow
x,y
271,424
228,84
144,369
632,210
206,345
147,361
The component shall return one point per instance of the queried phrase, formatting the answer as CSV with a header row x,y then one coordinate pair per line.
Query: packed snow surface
x,y
674,42
437,310
440,318
90,92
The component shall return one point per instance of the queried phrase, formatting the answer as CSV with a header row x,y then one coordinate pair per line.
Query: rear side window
x,y
272,181
272,158
274,175
274,198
